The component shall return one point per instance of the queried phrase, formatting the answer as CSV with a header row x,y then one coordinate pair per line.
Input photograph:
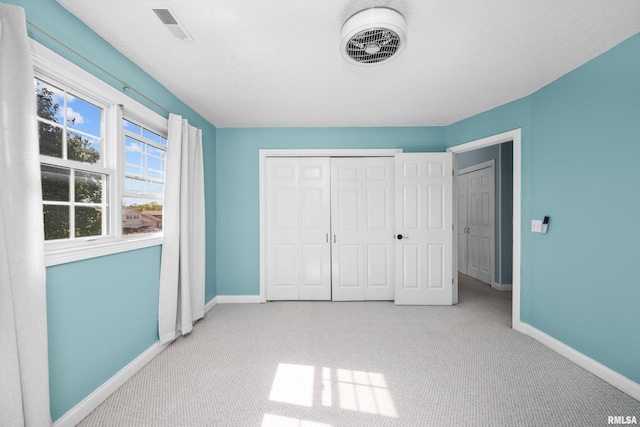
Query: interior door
x,y
424,229
298,226
480,224
462,228
362,227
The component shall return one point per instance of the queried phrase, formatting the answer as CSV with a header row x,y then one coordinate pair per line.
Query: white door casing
x,y
298,226
514,136
424,229
362,228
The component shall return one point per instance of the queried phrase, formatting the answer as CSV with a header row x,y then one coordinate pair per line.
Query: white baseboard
x,y
617,380
238,299
502,286
91,402
208,306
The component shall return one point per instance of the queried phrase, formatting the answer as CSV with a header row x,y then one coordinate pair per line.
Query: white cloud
x,y
135,148
74,116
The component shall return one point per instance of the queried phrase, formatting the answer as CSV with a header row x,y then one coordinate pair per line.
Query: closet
x,y
357,228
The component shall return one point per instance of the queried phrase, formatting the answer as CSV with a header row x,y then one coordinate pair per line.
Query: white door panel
x,y
362,228
461,229
378,228
480,223
298,215
474,225
314,251
486,223
424,228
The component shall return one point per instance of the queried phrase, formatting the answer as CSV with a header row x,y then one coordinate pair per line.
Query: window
x,y
75,182
144,166
102,157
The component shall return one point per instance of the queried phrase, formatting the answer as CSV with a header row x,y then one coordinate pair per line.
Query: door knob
x,y
400,237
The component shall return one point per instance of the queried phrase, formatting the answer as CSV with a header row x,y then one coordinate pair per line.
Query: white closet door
x,y
480,224
424,227
362,227
298,215
462,223
473,267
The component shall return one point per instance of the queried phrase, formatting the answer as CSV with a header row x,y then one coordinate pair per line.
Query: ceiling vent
x,y
168,18
373,36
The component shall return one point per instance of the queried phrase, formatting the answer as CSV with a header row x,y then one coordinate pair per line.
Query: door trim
x,y
516,137
262,170
479,166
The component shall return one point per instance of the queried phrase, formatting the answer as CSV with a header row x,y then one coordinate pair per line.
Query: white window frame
x,y
51,67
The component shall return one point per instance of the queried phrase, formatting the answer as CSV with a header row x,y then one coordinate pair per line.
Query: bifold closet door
x,y
362,228
298,226
462,230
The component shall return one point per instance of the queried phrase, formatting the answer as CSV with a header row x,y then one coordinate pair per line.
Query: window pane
x,y
153,188
55,184
151,135
127,125
152,151
140,216
83,148
154,163
134,185
89,187
50,101
50,137
56,222
164,141
155,174
133,151
133,170
84,116
88,221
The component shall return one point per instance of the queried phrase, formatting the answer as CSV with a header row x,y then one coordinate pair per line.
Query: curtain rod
x,y
125,86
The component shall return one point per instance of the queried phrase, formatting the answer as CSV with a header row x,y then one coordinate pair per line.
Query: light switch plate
x,y
536,225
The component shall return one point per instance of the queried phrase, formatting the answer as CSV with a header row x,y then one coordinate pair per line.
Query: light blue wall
x,y
580,147
238,250
102,312
100,319
503,202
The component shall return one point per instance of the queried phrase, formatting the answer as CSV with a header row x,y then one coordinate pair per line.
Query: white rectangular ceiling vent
x,y
168,18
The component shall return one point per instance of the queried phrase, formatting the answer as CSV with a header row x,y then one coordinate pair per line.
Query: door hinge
x,y
452,280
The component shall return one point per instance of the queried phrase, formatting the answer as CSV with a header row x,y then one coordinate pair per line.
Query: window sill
x,y
97,249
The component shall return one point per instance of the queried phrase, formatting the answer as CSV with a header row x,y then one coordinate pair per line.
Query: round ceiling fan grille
x,y
373,36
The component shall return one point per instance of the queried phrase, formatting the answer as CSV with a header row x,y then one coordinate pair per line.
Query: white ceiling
x,y
258,63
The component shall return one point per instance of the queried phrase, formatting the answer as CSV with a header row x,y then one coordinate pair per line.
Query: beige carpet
x,y
319,364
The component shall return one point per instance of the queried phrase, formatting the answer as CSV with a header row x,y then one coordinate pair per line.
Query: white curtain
x,y
182,271
24,372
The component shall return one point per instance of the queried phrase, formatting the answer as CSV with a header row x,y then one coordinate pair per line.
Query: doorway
x,y
514,236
